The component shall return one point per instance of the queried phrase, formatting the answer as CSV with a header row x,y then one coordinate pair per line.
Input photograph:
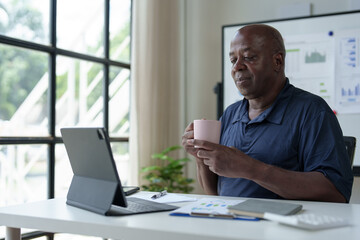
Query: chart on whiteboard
x,y
348,72
310,64
327,65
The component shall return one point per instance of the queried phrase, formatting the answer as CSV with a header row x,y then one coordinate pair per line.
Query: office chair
x,y
350,143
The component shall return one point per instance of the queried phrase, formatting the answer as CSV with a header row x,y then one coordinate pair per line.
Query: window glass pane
x,y
121,155
23,92
65,236
120,15
119,99
23,231
80,26
22,173
63,171
25,19
79,88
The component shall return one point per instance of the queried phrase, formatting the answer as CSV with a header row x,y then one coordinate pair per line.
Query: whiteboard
x,y
322,57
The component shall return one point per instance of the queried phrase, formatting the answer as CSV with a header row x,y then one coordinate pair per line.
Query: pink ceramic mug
x,y
208,130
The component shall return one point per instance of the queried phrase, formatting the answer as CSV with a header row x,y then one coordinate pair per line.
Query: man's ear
x,y
278,61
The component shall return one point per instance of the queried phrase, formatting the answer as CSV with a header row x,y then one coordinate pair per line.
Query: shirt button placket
x,y
247,138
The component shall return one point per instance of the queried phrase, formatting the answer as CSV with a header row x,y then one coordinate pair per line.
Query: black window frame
x,y
52,140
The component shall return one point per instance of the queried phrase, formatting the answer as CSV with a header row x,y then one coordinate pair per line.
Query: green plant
x,y
167,174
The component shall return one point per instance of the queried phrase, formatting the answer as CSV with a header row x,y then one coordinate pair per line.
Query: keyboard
x,y
308,221
138,205
134,206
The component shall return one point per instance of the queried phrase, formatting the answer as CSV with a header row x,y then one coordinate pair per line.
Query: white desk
x,y
55,216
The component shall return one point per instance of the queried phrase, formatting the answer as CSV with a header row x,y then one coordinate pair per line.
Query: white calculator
x,y
308,220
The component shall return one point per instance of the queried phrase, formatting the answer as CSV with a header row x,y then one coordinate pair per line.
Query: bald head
x,y
267,34
257,56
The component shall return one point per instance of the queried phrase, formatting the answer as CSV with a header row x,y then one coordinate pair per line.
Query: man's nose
x,y
239,65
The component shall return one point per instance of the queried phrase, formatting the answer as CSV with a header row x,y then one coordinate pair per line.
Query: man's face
x,y
251,57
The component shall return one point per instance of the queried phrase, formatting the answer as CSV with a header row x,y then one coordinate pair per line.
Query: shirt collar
x,y
242,112
270,115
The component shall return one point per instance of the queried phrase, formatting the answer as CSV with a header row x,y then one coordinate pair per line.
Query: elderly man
x,y
279,141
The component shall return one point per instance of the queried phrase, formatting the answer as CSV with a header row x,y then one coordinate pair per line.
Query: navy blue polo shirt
x,y
298,132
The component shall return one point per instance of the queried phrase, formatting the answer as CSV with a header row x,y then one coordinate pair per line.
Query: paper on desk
x,y
210,207
168,198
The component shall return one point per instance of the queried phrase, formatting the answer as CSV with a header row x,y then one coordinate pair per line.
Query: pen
x,y
160,194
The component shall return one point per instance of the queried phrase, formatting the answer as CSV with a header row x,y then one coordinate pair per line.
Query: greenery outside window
x,y
62,63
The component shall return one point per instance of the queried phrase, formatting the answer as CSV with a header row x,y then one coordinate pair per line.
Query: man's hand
x,y
189,135
224,161
206,178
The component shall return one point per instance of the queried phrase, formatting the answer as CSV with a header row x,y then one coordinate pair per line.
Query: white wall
x,y
203,23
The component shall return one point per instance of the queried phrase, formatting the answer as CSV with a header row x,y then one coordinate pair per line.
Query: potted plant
x,y
167,173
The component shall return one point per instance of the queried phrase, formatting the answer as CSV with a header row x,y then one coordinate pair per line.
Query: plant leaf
x,y
172,148
150,168
169,175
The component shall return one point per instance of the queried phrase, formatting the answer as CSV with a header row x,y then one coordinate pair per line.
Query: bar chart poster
x,y
348,72
310,64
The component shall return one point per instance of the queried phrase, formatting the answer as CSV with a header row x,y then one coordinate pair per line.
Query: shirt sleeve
x,y
322,149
